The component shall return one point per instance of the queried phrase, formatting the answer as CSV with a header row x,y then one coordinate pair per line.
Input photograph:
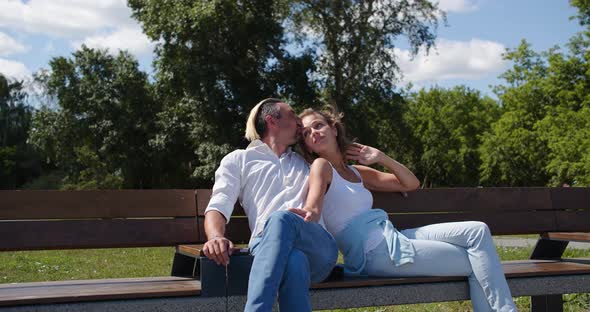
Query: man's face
x,y
289,124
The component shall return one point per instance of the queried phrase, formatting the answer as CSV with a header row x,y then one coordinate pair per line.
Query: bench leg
x,y
183,265
550,303
549,249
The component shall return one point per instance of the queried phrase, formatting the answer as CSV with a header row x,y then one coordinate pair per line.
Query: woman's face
x,y
317,134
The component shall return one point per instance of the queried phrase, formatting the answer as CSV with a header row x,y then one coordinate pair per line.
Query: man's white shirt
x,y
261,181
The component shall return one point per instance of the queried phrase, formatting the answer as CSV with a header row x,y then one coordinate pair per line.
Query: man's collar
x,y
255,143
258,144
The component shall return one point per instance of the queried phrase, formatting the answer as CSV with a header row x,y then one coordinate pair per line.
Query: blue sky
x,y
468,50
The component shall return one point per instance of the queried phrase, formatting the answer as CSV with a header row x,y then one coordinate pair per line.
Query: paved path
x,y
530,242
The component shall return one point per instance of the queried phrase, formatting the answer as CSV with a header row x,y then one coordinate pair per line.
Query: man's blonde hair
x,y
256,124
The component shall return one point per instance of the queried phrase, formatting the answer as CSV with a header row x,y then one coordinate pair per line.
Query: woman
x,y
340,193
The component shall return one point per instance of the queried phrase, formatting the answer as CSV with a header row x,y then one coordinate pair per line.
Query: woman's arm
x,y
320,176
401,179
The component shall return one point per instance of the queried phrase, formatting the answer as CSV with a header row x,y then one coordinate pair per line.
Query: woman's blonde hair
x,y
334,119
256,124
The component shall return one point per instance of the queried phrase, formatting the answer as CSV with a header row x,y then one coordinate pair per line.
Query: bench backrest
x,y
519,210
31,220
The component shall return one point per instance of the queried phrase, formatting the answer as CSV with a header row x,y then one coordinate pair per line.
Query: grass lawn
x,y
33,266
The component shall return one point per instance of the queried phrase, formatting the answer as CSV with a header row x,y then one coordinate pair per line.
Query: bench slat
x,y
507,223
90,290
203,197
575,198
19,205
512,269
573,221
238,230
494,199
570,237
72,234
499,224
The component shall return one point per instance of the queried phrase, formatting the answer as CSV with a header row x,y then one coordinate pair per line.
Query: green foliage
x,y
354,41
18,163
446,127
583,7
215,60
51,180
512,155
107,125
100,132
355,67
542,137
7,162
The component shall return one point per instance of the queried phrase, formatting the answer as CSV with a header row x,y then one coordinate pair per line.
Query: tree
x,y
18,163
218,58
513,153
565,127
99,134
446,126
354,42
214,61
542,136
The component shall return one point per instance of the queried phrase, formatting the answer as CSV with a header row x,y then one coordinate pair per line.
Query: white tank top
x,y
343,202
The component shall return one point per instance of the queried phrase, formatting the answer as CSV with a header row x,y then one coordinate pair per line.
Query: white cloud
x,y
131,39
10,46
458,6
64,18
14,70
96,23
469,60
49,47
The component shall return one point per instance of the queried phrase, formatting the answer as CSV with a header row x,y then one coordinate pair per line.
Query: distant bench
x,y
43,220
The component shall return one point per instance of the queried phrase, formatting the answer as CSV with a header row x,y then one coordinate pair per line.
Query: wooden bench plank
x,y
570,198
91,290
573,221
238,230
499,224
203,197
73,234
494,199
567,236
528,268
19,205
512,269
442,200
194,250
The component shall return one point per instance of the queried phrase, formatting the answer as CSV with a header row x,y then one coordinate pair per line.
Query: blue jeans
x,y
452,249
289,255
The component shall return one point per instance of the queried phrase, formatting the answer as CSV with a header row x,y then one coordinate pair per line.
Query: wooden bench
x,y
46,220
40,220
558,215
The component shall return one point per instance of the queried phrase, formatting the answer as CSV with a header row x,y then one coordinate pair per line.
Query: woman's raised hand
x,y
364,154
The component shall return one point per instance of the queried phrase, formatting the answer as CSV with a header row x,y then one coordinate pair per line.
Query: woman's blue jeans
x,y
452,249
289,255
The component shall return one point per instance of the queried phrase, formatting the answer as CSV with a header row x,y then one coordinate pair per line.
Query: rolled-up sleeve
x,y
227,185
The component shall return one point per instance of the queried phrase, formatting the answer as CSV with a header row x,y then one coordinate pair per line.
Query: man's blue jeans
x,y
289,255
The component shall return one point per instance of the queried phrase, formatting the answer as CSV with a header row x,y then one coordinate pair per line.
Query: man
x,y
268,179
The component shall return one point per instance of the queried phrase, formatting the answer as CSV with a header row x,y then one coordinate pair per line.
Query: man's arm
x,y
217,248
225,194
